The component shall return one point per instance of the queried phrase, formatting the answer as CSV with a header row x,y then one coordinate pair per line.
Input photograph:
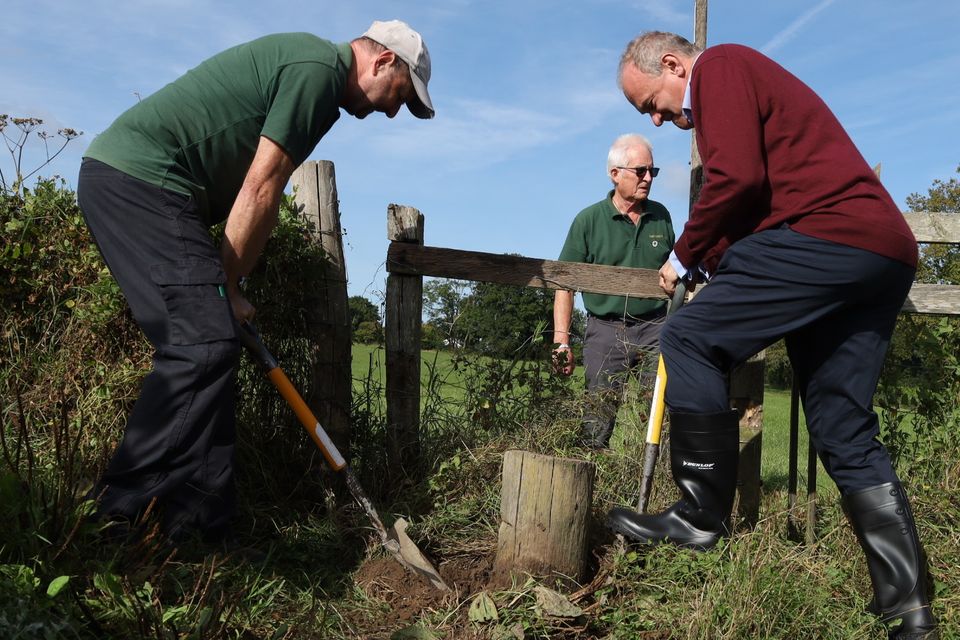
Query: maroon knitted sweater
x,y
773,152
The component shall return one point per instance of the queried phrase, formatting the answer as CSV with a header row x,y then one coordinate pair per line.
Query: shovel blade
x,y
410,556
395,539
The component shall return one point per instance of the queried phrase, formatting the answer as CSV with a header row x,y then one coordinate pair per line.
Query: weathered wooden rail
x,y
414,260
408,259
934,299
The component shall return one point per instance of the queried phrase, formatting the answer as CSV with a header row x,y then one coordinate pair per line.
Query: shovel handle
x,y
657,409
251,340
651,453
655,423
679,297
657,405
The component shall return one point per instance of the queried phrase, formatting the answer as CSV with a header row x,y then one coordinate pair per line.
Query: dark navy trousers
x,y
178,445
835,306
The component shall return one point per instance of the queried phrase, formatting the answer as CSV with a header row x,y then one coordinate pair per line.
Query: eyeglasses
x,y
642,171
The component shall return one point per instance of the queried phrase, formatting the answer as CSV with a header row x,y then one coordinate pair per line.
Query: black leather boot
x,y
882,519
704,449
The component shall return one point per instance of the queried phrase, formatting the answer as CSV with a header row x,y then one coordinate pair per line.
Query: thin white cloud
x,y
477,133
470,132
546,108
793,28
661,15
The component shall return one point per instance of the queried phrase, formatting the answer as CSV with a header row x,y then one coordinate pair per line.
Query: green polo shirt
x,y
198,135
600,234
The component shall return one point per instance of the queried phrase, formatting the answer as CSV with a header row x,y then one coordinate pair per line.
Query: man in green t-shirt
x,y
219,143
625,229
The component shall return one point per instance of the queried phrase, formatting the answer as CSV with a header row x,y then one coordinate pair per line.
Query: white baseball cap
x,y
397,36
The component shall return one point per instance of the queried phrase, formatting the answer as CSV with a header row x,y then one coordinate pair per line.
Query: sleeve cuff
x,y
677,266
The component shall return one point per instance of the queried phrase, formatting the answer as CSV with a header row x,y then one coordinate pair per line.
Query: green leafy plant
x,y
919,390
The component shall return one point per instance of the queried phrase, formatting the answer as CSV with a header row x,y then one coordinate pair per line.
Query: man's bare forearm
x,y
562,315
255,211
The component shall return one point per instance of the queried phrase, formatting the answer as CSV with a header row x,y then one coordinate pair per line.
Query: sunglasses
x,y
642,171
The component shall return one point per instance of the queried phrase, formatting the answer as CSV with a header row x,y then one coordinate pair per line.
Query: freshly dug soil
x,y
408,595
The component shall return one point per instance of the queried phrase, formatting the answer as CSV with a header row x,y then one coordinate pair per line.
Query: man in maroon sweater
x,y
800,241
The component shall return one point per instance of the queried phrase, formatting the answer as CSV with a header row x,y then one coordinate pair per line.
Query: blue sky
x,y
525,92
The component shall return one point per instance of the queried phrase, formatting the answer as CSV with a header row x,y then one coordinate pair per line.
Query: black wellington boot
x,y
704,450
883,521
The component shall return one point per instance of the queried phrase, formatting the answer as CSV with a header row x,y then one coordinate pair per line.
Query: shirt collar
x,y
687,105
615,213
612,208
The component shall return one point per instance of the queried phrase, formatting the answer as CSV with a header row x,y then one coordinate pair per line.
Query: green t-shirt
x,y
198,135
600,234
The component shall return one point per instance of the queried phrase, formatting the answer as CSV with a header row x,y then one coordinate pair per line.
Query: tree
x,y
939,263
578,325
443,302
364,314
368,333
431,337
499,319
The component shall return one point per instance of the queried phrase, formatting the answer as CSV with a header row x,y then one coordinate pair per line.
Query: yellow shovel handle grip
x,y
657,406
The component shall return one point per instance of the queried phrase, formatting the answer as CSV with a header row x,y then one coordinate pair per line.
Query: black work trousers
x,y
178,445
836,307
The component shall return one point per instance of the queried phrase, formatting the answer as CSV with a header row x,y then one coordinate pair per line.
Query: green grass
x,y
774,460
369,370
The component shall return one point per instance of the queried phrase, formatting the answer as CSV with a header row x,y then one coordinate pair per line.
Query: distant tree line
x,y
490,319
480,317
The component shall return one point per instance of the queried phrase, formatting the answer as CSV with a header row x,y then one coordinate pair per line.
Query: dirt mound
x,y
408,595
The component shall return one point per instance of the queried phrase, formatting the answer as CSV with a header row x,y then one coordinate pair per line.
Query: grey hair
x,y
617,156
645,51
374,48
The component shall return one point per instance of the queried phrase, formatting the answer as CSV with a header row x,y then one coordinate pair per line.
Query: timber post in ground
x,y
544,516
328,317
402,332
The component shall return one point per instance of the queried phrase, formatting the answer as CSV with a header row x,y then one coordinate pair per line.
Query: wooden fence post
x,y
544,516
329,394
696,163
402,333
746,381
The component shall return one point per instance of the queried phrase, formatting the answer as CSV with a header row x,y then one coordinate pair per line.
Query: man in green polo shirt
x,y
625,229
219,143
